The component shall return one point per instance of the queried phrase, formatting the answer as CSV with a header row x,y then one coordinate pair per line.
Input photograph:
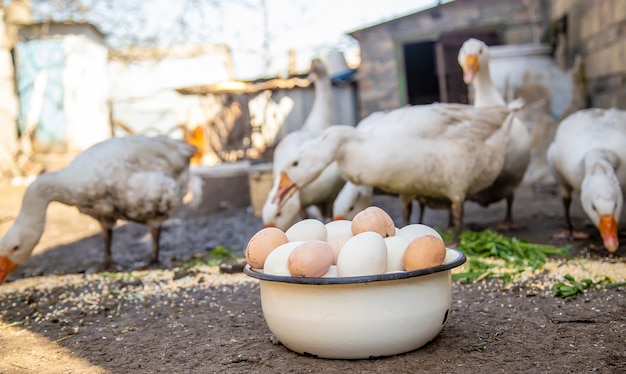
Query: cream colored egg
x,y
277,262
396,245
310,259
363,254
424,252
262,243
331,272
417,229
373,219
338,227
307,229
336,242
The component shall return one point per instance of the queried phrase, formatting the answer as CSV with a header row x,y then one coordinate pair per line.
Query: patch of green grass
x,y
517,254
216,256
571,287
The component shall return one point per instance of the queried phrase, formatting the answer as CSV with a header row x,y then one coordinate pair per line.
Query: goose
x,y
354,198
473,58
136,178
458,150
588,155
322,192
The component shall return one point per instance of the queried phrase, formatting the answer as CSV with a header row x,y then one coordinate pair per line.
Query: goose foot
x,y
507,226
573,235
150,265
111,267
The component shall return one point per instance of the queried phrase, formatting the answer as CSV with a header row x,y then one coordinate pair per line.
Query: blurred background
x,y
231,77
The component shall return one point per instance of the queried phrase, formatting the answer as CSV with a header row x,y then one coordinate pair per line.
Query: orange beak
x,y
269,225
470,68
339,218
6,267
608,230
286,189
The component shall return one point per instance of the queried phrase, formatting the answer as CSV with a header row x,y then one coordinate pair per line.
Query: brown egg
x,y
310,259
373,219
262,243
424,252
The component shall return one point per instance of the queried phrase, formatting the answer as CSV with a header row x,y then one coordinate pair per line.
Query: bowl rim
x,y
458,261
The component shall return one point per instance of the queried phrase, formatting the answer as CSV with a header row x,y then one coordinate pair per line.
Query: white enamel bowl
x,y
358,317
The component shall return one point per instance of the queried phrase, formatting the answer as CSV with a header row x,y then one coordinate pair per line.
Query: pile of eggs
x,y
370,244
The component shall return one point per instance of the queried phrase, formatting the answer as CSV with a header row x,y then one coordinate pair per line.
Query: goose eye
x,y
294,164
15,248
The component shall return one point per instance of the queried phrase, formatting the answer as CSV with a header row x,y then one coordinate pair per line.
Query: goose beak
x,y
470,67
6,267
339,218
286,189
267,225
608,230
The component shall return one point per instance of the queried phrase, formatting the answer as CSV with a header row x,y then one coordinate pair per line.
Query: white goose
x,y
354,198
135,178
474,60
325,188
410,160
588,155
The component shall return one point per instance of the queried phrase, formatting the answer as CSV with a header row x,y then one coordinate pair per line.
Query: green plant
x,y
570,287
516,255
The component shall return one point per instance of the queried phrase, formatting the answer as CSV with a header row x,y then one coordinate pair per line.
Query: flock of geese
x,y
439,155
442,155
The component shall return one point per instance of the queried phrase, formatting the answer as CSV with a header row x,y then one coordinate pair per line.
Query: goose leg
x,y
574,234
422,210
407,210
156,235
508,222
107,234
155,232
457,212
570,233
108,264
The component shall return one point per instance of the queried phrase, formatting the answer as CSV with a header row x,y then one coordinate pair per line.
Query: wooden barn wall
x,y
596,30
381,45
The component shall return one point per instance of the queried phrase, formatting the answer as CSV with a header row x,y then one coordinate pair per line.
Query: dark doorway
x,y
422,83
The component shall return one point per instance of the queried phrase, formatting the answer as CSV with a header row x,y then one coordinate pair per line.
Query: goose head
x,y
474,59
308,163
317,70
601,196
16,247
351,200
283,216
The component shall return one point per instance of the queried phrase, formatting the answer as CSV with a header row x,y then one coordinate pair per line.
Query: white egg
x,y
338,227
331,272
396,245
277,262
307,229
417,229
363,254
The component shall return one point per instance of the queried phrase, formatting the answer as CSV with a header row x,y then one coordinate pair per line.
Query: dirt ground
x,y
54,318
